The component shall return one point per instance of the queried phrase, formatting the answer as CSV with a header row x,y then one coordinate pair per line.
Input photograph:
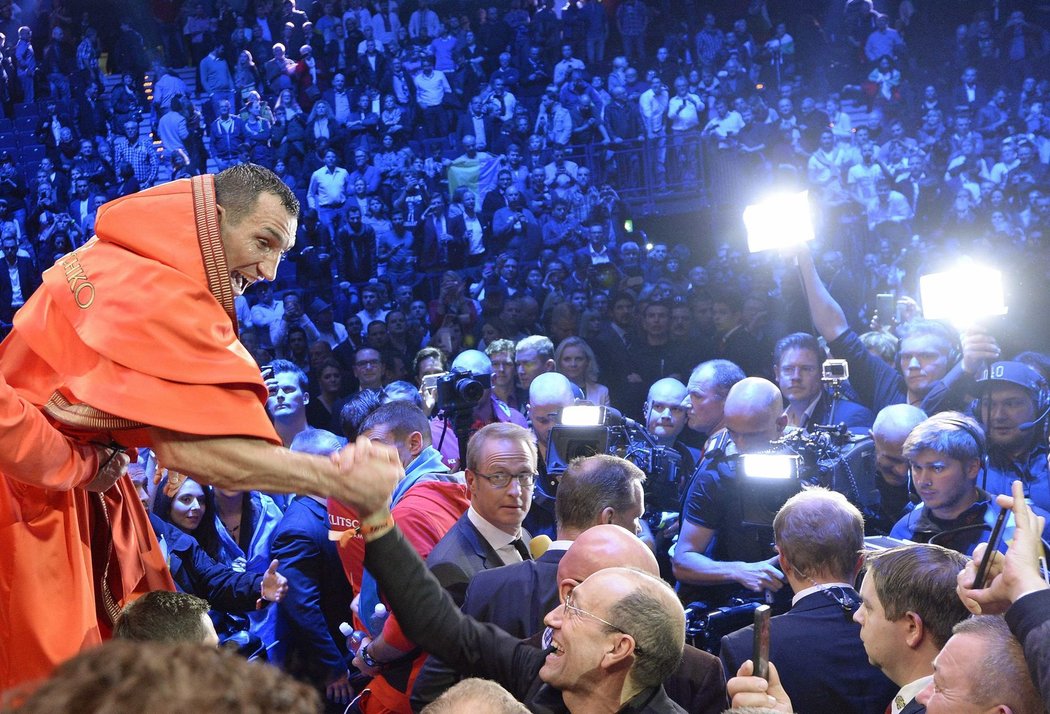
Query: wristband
x,y
366,529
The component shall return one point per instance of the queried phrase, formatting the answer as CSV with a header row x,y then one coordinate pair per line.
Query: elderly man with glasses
x,y
619,634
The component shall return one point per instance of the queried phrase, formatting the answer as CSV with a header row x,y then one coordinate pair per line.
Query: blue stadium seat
x,y
6,125
26,109
7,141
31,153
26,123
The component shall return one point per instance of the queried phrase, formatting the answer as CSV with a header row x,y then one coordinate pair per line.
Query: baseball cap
x,y
1011,373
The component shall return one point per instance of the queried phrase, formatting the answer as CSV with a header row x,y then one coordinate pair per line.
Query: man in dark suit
x,y
969,95
444,237
309,644
908,610
797,360
816,645
733,341
501,470
19,278
478,123
616,638
596,490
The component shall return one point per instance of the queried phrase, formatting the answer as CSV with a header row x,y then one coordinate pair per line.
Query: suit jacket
x,y
459,555
28,279
368,76
309,644
817,649
427,616
514,597
913,707
465,125
846,412
437,254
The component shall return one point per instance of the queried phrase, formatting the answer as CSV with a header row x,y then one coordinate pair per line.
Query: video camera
x,y
585,430
829,456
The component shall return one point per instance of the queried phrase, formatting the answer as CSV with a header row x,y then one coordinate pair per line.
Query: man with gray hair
x,y
981,668
708,386
533,356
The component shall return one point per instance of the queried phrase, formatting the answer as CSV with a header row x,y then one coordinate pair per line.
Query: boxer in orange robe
x,y
130,342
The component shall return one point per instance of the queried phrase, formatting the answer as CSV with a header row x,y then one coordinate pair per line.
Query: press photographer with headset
x,y
1011,406
946,455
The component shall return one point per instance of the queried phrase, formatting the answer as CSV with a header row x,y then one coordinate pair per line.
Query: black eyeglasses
x,y
503,480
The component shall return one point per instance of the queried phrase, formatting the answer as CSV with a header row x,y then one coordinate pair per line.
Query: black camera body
x,y
460,391
627,440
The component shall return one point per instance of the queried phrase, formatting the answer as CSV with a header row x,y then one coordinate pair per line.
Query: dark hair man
x,y
945,456
797,360
818,653
926,377
196,244
164,616
426,504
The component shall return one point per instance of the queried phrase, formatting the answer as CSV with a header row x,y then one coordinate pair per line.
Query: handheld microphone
x,y
539,545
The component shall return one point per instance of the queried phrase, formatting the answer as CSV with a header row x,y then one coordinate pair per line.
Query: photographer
x,y
717,552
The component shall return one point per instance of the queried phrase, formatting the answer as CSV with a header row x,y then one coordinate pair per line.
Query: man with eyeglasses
x,y
368,368
500,474
615,640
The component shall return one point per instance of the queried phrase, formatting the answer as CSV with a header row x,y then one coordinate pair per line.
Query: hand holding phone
x,y
993,546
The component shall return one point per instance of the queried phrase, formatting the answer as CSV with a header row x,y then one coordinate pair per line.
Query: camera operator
x,y
548,393
927,377
488,410
716,551
1011,394
797,361
665,419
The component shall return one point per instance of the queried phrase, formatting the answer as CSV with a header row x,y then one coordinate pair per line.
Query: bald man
x,y
697,686
614,640
548,393
889,431
717,553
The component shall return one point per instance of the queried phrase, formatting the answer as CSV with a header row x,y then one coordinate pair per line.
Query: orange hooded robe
x,y
134,329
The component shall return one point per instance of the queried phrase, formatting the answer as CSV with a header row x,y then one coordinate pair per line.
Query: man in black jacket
x,y
619,634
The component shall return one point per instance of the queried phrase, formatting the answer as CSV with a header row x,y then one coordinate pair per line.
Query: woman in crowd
x,y
575,359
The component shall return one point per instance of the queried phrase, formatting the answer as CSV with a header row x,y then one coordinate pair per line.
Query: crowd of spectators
x,y
474,183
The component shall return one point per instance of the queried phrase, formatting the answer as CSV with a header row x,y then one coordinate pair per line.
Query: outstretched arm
x,y
828,317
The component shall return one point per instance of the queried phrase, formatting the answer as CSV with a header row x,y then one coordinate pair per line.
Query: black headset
x,y
978,440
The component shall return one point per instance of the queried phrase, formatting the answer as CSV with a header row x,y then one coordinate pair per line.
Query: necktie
x,y
523,550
